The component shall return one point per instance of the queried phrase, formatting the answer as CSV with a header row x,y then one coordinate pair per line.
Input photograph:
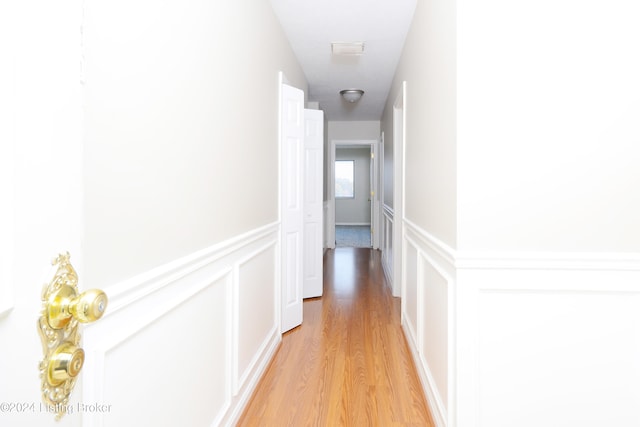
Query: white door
x,y
40,195
372,193
34,228
375,195
313,145
292,151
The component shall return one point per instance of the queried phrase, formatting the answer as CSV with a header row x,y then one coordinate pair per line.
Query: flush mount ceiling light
x,y
352,95
347,48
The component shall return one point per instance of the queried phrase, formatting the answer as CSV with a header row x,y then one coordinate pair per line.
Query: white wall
x,y
556,119
548,148
181,203
167,140
353,130
521,245
356,211
428,65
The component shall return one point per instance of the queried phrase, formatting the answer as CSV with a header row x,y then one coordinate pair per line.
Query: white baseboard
x,y
354,223
426,380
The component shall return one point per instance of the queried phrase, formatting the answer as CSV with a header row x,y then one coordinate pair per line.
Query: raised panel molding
x,y
571,312
430,255
489,294
587,261
386,243
325,223
139,303
241,375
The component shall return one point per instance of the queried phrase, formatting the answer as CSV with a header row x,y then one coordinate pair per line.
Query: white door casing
x,y
399,125
371,194
313,168
292,151
331,190
374,196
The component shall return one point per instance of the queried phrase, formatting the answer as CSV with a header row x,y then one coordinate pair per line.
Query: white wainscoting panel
x,y
186,343
410,289
325,222
256,320
434,319
546,340
429,297
523,339
386,244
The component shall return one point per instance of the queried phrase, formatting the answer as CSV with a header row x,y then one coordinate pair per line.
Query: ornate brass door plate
x,y
63,308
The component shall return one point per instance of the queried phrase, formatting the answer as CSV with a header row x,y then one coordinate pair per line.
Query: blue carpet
x,y
355,236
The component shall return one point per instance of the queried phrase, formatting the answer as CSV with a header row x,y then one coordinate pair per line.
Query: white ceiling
x,y
312,25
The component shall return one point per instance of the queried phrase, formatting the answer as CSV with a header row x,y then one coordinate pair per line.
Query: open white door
x,y
375,195
40,173
313,145
372,193
292,151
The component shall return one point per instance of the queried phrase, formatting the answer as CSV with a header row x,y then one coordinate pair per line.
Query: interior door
x,y
32,226
313,168
40,172
292,179
372,195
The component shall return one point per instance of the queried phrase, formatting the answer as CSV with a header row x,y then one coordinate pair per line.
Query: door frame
x,y
331,196
399,143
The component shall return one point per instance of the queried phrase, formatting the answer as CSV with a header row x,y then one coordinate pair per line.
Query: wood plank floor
x,y
348,364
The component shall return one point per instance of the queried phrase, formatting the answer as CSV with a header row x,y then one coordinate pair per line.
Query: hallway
x,y
348,364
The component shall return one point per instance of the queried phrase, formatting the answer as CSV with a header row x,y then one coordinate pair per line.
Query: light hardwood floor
x,y
348,364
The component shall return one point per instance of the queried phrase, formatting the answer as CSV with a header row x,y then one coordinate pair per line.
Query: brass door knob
x,y
66,304
65,363
63,309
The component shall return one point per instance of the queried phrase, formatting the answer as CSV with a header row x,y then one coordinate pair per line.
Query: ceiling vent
x,y
347,48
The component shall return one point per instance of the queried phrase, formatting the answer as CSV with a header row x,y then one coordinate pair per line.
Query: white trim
x,y
399,143
441,248
137,303
325,224
538,277
387,247
426,380
473,278
432,252
99,347
355,224
434,396
139,286
605,261
240,379
270,346
331,199
523,260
